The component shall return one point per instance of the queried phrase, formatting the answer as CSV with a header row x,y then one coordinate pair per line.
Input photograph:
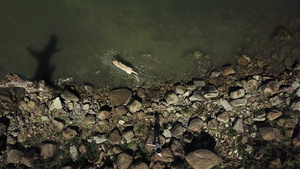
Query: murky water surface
x,y
82,37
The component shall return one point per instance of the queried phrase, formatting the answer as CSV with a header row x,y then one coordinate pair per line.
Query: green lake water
x,y
154,36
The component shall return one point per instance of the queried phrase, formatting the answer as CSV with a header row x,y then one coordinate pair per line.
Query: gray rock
x,y
135,106
58,124
239,126
177,130
250,86
2,128
239,102
179,89
223,117
172,98
167,133
14,156
73,153
47,150
123,161
115,137
195,124
196,96
120,96
69,96
237,94
209,91
271,87
57,103
153,95
128,134
226,105
199,83
296,106
100,138
203,159
259,116
212,124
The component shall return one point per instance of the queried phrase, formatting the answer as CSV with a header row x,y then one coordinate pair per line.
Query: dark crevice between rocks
x,y
201,141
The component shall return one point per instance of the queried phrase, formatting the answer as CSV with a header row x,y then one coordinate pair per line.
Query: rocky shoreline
x,y
239,117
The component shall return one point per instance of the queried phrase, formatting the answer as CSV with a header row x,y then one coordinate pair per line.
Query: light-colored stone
x,y
203,159
179,89
250,86
195,124
167,156
68,96
196,96
119,111
270,88
228,70
89,119
73,153
135,106
103,114
128,134
223,117
47,150
226,105
57,103
100,138
209,91
69,133
239,102
141,165
141,93
273,114
237,94
296,106
239,126
172,98
177,130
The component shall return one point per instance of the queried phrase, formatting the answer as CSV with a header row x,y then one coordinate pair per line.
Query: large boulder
x,y
203,159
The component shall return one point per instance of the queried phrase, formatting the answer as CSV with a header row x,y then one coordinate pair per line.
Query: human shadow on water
x,y
44,71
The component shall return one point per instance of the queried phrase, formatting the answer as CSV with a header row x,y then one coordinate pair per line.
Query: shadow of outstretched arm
x,y
44,71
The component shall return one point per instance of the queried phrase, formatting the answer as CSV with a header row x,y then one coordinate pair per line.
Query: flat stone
x,y
223,117
270,134
141,93
14,156
296,106
226,105
115,137
237,94
73,153
119,111
228,70
195,124
68,96
273,114
203,159
100,138
123,161
209,91
250,86
239,126
69,133
120,96
172,98
89,119
128,134
47,150
196,96
153,95
135,106
177,130
103,114
199,83
57,103
239,102
167,156
179,89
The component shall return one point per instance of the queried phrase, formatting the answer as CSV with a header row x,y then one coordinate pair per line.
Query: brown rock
x,y
243,60
273,114
258,155
89,119
140,165
296,141
135,106
39,110
69,133
103,114
14,156
167,156
141,93
275,164
195,124
270,133
119,111
115,137
228,70
47,150
153,95
123,161
120,96
203,159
